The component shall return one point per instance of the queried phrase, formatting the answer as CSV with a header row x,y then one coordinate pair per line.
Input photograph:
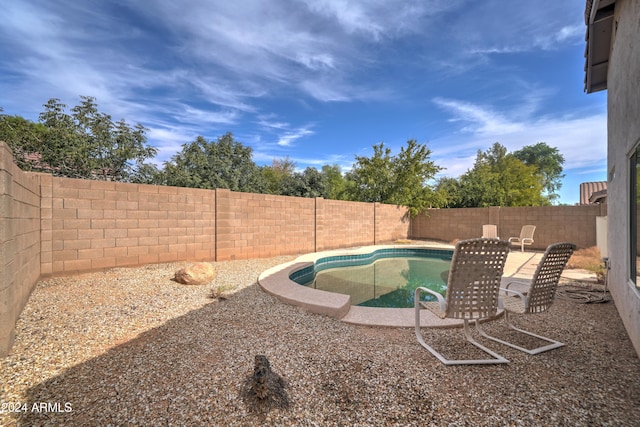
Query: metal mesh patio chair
x,y
472,292
490,231
539,296
525,238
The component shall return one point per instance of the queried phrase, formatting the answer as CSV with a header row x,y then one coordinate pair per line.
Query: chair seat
x,y
513,304
434,307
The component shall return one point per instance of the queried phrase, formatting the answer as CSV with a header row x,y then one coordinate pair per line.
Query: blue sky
x,y
319,81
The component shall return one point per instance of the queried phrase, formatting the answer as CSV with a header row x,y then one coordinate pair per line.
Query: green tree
x,y
89,144
371,176
84,144
412,170
224,163
548,162
401,179
336,184
500,179
309,183
275,174
448,193
148,173
24,137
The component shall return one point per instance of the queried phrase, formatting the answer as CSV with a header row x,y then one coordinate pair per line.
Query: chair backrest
x,y
474,278
545,279
527,232
490,231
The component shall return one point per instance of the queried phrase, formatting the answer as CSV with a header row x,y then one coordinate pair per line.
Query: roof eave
x,y
598,38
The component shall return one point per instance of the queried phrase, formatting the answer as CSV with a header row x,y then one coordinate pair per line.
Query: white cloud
x,y
290,137
499,27
478,127
379,18
480,120
169,140
571,32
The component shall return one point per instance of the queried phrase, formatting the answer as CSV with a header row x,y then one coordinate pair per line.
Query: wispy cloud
x,y
285,134
377,18
498,27
290,137
288,76
479,120
477,127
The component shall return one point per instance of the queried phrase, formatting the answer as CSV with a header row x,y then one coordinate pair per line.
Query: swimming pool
x,y
383,278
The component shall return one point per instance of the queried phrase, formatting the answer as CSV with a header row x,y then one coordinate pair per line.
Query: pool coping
x,y
275,281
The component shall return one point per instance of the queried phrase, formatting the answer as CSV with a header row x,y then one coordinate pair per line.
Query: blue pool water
x,y
383,278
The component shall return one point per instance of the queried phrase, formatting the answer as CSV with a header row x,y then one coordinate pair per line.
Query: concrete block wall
x,y
447,225
574,224
342,224
19,243
92,225
391,223
261,225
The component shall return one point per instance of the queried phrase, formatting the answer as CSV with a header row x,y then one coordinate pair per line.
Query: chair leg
x,y
552,343
496,357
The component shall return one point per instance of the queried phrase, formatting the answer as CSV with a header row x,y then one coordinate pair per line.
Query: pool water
x,y
386,282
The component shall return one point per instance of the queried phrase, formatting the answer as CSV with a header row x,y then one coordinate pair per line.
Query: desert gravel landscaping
x,y
133,347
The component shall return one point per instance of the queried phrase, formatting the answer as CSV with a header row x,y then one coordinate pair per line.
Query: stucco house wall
x,y
623,104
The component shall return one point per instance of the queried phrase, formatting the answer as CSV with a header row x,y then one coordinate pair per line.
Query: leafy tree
x,y
23,137
275,174
371,176
336,184
411,173
500,179
224,163
148,173
548,161
400,179
309,183
448,192
84,144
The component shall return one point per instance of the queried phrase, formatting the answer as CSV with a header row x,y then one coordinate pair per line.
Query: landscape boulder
x,y
199,273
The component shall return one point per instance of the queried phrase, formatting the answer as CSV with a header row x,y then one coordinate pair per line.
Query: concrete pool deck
x,y
519,266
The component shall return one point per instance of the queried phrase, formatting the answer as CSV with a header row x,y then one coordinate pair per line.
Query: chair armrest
x,y
512,239
527,240
517,282
518,294
440,298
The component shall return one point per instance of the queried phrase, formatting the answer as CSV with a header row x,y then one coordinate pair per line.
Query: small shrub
x,y
221,292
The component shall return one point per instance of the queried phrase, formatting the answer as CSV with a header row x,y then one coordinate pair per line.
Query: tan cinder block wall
x,y
342,224
263,225
449,224
95,225
391,223
19,243
576,224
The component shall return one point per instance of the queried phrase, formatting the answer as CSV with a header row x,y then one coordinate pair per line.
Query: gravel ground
x,y
132,347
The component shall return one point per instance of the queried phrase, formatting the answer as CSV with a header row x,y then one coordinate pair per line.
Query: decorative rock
x,y
200,273
261,372
265,389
